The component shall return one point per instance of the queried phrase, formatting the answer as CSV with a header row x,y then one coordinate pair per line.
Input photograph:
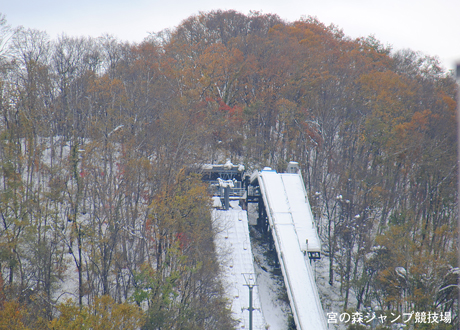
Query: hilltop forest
x,y
102,225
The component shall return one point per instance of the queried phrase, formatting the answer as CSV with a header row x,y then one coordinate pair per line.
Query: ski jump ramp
x,y
294,233
285,211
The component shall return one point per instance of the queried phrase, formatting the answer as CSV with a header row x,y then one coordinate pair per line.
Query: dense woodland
x,y
101,225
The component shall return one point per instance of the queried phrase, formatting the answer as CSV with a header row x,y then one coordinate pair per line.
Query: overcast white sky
x,y
429,26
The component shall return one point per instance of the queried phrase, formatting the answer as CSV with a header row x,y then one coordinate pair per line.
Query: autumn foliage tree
x,y
95,135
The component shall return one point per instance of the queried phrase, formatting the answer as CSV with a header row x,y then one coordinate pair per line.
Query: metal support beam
x,y
227,198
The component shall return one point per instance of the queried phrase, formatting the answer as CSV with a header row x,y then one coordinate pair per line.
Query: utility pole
x,y
249,278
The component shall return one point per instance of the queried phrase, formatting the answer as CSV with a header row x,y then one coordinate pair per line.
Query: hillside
x,y
97,137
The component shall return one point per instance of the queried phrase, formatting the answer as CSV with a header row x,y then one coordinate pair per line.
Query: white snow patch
x,y
234,250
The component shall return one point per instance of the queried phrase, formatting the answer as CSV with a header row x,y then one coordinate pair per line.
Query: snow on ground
x,y
330,295
69,284
271,286
284,197
234,249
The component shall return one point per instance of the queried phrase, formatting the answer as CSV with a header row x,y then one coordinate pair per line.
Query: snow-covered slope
x,y
284,197
236,259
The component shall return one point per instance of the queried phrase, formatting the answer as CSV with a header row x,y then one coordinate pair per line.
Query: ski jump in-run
x,y
284,212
